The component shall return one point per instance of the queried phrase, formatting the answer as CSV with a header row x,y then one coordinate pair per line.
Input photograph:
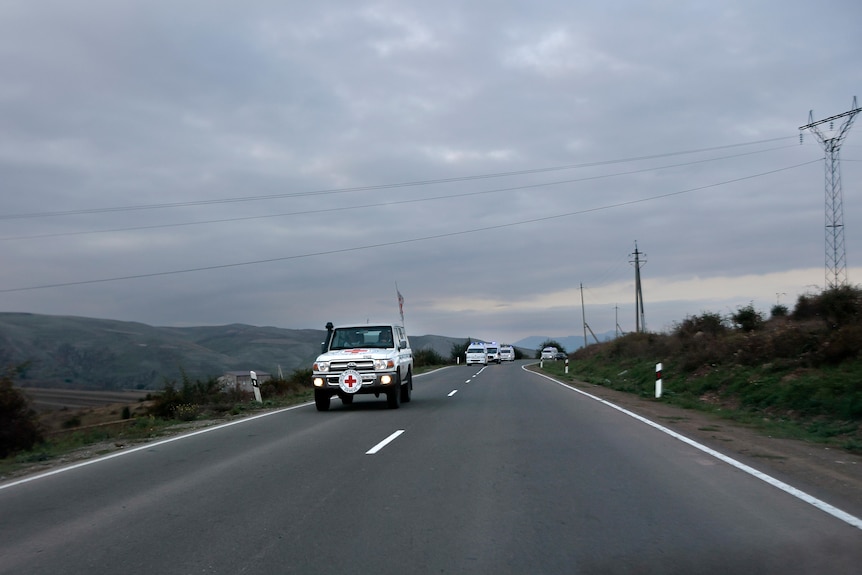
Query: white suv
x,y
549,353
367,359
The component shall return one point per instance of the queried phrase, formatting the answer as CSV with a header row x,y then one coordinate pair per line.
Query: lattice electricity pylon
x,y
836,256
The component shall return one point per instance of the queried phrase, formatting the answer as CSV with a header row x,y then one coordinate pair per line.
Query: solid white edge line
x,y
148,446
384,443
799,494
453,392
157,443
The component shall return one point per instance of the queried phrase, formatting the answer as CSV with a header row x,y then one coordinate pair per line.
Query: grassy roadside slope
x,y
796,375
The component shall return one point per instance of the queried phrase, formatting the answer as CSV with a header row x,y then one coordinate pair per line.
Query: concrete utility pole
x,y
583,315
640,320
836,256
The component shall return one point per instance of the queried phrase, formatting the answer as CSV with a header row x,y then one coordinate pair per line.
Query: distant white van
x,y
507,353
549,353
493,350
476,353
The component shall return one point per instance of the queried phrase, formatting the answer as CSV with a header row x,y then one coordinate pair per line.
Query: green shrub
x,y
747,318
74,421
298,381
459,350
779,310
836,306
549,343
19,425
841,345
185,411
705,323
207,394
427,357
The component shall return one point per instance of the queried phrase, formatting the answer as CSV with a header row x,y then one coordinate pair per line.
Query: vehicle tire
x,y
407,389
393,396
321,400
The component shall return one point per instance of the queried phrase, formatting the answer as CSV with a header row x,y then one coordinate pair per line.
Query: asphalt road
x,y
500,471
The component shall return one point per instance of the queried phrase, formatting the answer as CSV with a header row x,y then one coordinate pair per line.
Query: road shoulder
x,y
832,475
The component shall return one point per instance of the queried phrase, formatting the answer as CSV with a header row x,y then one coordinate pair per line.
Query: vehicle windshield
x,y
366,336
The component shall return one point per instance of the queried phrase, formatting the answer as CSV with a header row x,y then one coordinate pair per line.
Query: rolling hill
x,y
88,353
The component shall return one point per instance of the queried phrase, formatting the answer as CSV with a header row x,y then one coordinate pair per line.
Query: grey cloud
x,y
145,103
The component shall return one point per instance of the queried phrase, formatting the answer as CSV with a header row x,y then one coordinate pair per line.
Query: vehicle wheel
x,y
407,389
346,398
321,400
393,396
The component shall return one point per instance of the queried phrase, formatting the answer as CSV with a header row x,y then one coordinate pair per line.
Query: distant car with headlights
x,y
363,359
550,352
561,355
507,353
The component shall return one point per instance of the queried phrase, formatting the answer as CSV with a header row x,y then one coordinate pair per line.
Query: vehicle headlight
x,y
321,366
382,364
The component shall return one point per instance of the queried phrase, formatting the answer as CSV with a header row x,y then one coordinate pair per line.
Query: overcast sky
x,y
288,163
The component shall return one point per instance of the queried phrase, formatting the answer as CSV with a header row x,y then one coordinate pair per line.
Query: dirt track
x,y
47,399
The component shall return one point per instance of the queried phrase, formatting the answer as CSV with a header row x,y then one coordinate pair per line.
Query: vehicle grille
x,y
358,365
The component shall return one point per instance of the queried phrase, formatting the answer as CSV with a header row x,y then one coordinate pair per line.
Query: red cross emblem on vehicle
x,y
350,381
355,350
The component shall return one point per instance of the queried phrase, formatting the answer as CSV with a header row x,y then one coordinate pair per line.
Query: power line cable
x,y
392,203
85,211
409,240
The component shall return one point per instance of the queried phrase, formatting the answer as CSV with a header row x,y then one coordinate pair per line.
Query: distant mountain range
x,y
87,353
569,342
101,354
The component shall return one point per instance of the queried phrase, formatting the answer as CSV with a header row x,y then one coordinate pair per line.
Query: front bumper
x,y
370,382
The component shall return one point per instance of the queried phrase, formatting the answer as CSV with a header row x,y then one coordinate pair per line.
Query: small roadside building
x,y
241,380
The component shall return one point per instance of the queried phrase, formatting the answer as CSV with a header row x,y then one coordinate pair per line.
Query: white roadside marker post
x,y
255,387
657,380
567,366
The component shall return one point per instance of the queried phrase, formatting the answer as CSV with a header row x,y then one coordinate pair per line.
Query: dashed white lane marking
x,y
384,443
453,392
